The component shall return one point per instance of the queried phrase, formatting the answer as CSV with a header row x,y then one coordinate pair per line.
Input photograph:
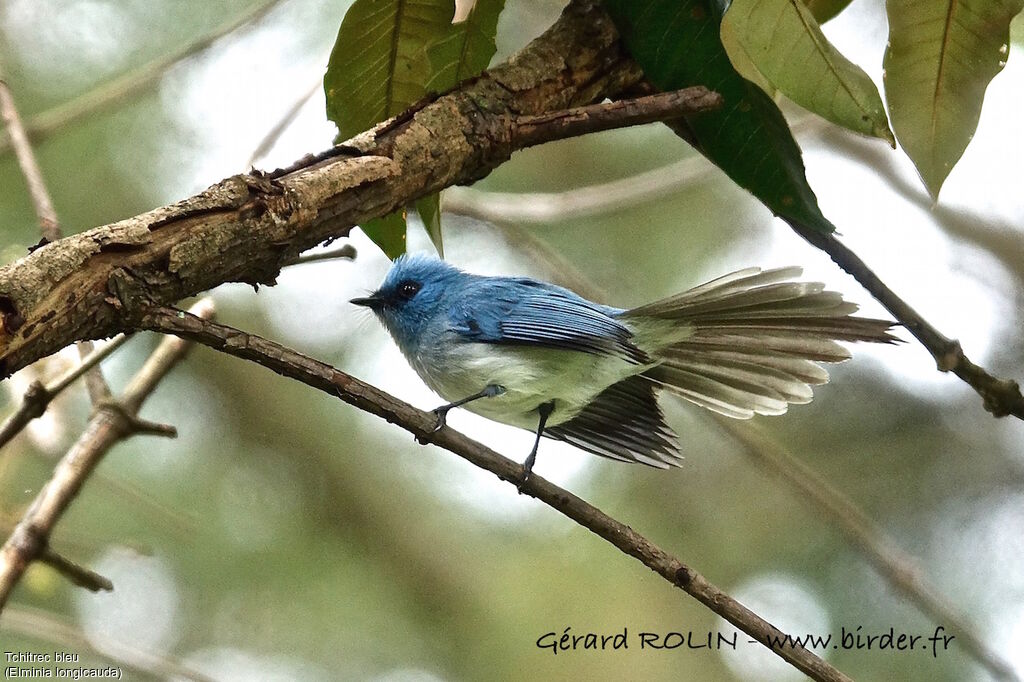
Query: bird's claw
x,y
522,480
442,419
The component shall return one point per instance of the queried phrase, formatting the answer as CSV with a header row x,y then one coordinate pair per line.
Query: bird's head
x,y
413,294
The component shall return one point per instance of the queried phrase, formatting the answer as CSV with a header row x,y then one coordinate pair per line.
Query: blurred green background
x,y
286,536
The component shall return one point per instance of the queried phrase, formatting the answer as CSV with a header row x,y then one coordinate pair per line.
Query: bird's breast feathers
x,y
530,376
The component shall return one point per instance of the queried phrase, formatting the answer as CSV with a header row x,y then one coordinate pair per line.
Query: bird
x,y
538,356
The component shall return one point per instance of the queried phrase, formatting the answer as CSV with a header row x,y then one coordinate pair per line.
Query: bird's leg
x,y
489,391
545,410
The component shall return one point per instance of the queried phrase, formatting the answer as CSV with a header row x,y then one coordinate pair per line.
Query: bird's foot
x,y
521,482
442,419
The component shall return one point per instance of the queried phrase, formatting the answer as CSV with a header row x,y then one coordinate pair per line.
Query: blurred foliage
x,y
306,540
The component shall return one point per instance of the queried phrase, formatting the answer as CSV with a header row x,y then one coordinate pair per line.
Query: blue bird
x,y
540,357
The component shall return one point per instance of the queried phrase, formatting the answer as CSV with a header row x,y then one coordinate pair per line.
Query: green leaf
x,y
379,64
464,52
388,233
429,209
388,55
941,56
677,44
379,67
468,47
782,40
824,10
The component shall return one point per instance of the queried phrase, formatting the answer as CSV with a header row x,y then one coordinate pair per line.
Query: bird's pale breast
x,y
530,375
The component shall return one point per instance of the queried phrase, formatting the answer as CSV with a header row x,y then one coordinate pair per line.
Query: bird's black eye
x,y
408,289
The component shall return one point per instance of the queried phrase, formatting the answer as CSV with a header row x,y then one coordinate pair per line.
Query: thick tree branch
x,y
112,422
245,227
420,424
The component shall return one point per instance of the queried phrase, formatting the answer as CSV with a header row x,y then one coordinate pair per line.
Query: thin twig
x,y
44,627
38,397
1000,239
49,224
47,215
528,131
1001,397
323,377
274,134
346,252
898,568
122,88
544,208
77,574
112,422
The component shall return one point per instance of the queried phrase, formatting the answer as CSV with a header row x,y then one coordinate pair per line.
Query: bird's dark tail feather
x,y
749,342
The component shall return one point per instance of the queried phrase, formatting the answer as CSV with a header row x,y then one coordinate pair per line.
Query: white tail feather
x,y
751,339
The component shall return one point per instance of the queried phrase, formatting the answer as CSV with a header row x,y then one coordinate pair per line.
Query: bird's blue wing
x,y
525,311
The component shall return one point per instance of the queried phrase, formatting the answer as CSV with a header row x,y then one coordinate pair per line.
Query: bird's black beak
x,y
372,302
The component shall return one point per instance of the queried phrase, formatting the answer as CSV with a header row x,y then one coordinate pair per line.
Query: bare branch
x,y
274,134
124,87
999,239
78,575
347,252
38,397
544,208
529,131
45,212
110,424
323,377
897,567
1002,397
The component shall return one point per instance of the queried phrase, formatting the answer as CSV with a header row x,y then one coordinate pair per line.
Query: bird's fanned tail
x,y
748,343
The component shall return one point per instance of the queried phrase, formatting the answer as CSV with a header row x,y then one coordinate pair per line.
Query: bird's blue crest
x,y
413,293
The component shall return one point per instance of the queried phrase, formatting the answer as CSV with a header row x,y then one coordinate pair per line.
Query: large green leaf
x,y
379,67
464,52
379,64
468,47
941,56
782,40
388,55
677,43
